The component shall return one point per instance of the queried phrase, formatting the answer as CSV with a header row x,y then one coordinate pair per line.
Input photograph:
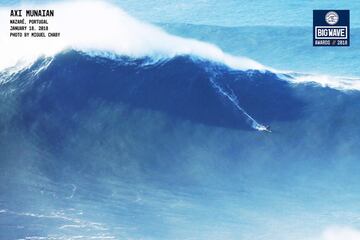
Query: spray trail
x,y
234,100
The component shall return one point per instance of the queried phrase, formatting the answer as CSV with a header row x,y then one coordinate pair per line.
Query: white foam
x,y
100,26
335,82
340,233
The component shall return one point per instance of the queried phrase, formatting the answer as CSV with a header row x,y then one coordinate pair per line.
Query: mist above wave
x,y
101,26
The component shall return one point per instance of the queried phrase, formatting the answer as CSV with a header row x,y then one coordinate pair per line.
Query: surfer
x,y
267,128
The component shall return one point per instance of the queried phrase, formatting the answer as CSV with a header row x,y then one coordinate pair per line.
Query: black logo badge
x,y
331,28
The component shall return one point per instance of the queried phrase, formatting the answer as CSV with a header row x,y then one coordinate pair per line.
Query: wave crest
x,y
100,26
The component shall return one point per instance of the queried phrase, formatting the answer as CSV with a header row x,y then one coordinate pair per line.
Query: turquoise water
x,y
280,47
236,13
277,34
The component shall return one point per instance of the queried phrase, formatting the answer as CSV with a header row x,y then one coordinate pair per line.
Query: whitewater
x,y
127,36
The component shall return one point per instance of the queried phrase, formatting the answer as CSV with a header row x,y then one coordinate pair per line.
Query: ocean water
x,y
165,139
282,47
278,34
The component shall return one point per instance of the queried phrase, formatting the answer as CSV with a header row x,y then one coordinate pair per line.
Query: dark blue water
x,y
131,149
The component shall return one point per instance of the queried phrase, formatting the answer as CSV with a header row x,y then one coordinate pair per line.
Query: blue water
x,y
281,47
99,148
277,34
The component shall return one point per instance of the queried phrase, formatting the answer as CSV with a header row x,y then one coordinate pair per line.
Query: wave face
x,y
129,148
195,90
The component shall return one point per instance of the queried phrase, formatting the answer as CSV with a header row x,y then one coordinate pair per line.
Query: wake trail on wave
x,y
234,100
